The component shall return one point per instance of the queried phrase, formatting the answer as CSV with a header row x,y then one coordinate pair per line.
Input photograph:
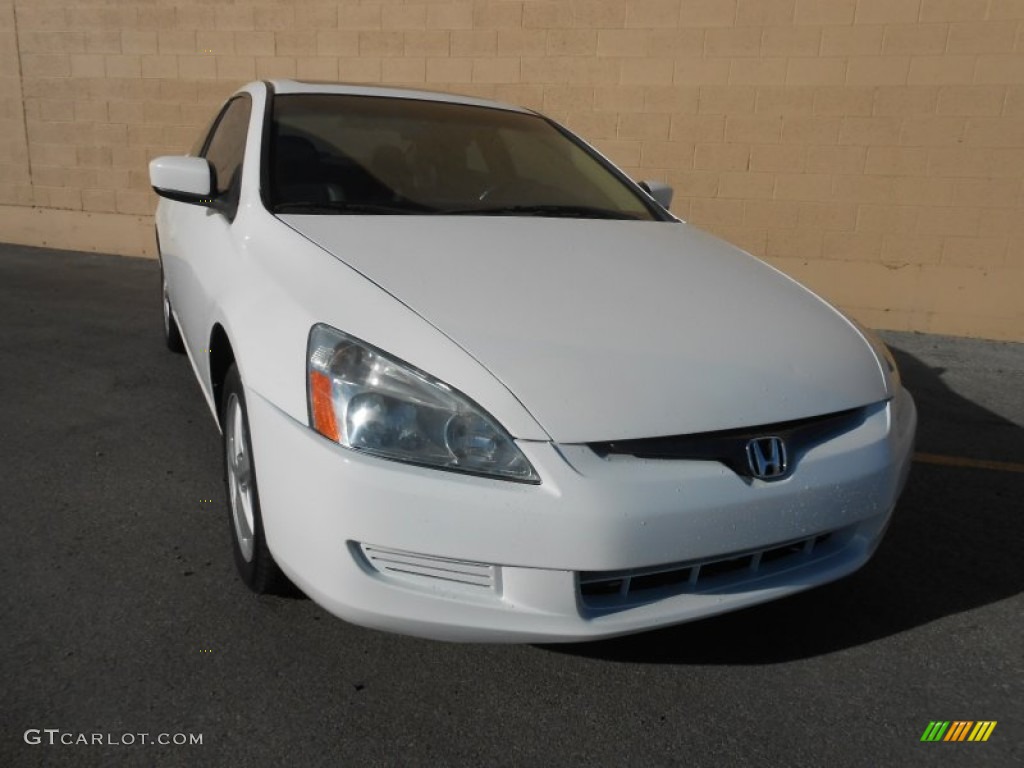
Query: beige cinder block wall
x,y
871,148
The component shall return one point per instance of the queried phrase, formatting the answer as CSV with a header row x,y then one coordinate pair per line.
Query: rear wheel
x,y
255,564
172,335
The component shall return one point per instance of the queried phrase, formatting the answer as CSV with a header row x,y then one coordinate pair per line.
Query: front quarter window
x,y
225,149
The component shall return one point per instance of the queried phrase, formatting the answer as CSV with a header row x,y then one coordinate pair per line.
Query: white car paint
x,y
187,174
566,332
691,320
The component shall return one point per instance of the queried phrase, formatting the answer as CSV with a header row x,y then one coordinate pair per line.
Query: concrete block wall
x,y
873,149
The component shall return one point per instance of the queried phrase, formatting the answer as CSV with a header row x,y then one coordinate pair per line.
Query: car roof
x,y
282,87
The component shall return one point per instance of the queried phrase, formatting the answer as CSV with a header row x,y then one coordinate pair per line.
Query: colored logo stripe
x,y
958,730
982,730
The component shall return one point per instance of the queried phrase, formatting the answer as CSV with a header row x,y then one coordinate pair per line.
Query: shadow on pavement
x,y
953,546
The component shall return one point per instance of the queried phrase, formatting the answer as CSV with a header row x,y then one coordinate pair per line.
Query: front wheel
x,y
255,564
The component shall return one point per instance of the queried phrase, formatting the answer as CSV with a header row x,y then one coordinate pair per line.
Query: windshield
x,y
370,155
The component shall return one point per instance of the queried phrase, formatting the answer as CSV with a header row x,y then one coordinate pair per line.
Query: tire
x,y
255,564
172,334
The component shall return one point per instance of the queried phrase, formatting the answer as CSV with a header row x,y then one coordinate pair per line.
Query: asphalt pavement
x,y
123,616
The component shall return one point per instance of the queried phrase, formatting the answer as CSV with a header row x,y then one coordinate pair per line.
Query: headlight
x,y
893,383
366,400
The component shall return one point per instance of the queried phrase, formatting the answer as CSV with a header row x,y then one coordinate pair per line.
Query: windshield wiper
x,y
342,206
555,211
566,211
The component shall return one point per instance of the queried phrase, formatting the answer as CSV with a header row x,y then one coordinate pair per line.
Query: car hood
x,y
610,330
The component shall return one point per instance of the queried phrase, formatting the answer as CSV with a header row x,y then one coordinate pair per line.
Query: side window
x,y
226,146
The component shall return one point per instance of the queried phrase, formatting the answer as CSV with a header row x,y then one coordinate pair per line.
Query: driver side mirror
x,y
661,192
182,178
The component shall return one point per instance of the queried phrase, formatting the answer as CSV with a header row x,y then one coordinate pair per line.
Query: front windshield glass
x,y
371,155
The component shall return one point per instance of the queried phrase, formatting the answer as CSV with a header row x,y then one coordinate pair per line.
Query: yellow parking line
x,y
962,461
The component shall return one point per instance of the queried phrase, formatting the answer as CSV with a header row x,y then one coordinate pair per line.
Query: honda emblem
x,y
767,459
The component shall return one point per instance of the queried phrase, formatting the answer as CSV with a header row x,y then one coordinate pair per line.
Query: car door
x,y
201,250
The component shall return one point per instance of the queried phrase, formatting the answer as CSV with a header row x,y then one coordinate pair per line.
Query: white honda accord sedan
x,y
474,383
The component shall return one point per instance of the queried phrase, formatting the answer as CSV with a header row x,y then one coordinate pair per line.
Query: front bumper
x,y
455,557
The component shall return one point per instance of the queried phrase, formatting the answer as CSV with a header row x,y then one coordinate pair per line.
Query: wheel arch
x,y
222,355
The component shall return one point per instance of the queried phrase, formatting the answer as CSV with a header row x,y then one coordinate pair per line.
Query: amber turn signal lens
x,y
324,420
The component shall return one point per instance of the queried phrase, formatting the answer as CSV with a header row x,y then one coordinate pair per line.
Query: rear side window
x,y
226,146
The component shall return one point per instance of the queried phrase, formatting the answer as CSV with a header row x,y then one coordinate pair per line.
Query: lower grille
x,y
429,570
618,589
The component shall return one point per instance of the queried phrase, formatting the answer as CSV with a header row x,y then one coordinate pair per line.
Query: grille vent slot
x,y
618,589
